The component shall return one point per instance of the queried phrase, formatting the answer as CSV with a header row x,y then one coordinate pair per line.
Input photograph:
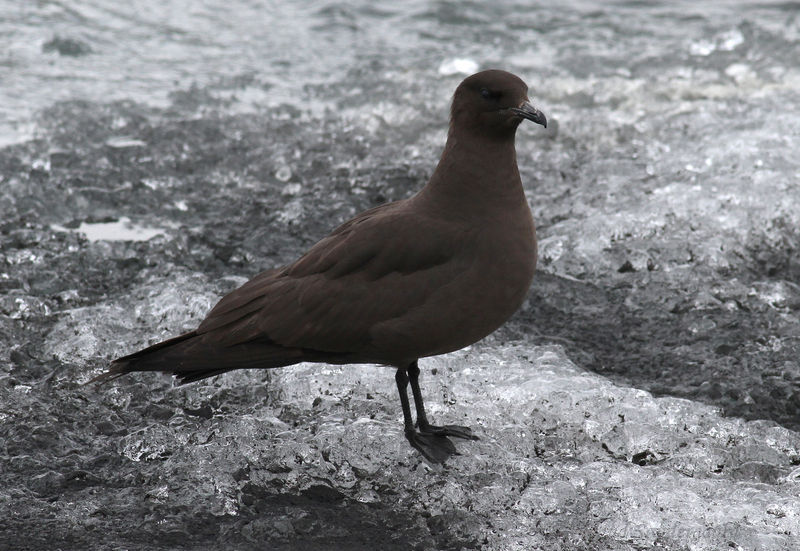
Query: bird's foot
x,y
448,430
436,448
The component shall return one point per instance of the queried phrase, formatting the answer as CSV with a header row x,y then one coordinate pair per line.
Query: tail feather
x,y
114,372
156,347
192,356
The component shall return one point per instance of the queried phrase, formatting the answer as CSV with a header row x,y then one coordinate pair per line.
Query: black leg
x,y
436,448
413,376
402,384
422,420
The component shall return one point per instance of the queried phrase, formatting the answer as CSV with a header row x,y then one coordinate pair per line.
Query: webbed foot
x,y
436,448
449,430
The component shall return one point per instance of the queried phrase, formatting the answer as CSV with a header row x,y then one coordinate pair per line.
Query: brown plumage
x,y
402,281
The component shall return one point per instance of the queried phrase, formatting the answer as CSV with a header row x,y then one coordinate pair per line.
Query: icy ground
x,y
647,396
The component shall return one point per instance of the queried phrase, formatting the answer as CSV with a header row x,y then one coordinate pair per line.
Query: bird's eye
x,y
490,94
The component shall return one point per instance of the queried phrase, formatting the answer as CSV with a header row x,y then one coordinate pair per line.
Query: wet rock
x,y
67,46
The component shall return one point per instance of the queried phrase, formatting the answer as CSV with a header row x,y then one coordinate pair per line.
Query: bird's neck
x,y
475,172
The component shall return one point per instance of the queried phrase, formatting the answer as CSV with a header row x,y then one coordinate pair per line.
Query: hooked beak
x,y
528,111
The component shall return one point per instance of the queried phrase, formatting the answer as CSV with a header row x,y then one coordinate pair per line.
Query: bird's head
x,y
493,103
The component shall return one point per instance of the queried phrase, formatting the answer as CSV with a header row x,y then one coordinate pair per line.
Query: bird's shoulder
x,y
392,237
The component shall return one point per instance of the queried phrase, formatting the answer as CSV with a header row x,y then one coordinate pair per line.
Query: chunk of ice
x,y
120,230
458,65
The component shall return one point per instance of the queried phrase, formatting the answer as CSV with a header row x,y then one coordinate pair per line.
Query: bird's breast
x,y
505,266
489,280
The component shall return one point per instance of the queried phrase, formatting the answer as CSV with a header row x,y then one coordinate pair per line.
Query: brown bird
x,y
414,278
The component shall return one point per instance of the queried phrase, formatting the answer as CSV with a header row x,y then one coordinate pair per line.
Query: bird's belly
x,y
482,305
468,308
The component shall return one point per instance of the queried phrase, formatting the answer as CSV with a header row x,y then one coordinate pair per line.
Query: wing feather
x,y
330,299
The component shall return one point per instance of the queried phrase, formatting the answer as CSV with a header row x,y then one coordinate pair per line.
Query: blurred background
x,y
154,155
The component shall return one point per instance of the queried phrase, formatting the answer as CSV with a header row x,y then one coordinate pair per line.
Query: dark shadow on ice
x,y
725,353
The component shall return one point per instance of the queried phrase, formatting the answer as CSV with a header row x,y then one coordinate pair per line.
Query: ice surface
x,y
164,307
646,396
566,459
